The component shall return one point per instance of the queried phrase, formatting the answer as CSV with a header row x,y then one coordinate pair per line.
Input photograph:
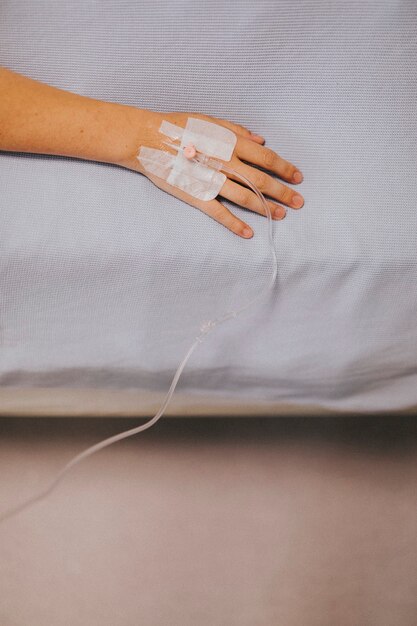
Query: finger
x,y
246,198
213,208
257,138
242,131
268,185
268,159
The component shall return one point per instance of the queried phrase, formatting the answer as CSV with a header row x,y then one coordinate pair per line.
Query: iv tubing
x,y
205,328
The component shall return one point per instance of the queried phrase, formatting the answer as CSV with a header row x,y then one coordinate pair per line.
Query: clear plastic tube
x,y
205,329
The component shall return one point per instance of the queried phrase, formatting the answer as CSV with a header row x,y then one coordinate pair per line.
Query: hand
x,y
249,149
35,117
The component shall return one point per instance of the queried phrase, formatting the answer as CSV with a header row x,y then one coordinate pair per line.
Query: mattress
x,y
105,279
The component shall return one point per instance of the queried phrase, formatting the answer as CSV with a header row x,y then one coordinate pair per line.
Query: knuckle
x,y
260,179
244,197
218,212
286,195
269,159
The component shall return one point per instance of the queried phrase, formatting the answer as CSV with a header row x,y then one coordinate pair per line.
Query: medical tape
x,y
194,178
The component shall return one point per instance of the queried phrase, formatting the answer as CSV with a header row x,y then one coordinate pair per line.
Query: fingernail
x,y
246,232
297,201
280,213
298,177
258,137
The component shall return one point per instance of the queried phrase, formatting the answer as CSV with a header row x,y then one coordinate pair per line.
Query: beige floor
x,y
212,522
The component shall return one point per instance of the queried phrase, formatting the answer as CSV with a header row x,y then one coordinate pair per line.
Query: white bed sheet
x,y
105,279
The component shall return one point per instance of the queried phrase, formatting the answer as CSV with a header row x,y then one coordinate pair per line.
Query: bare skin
x,y
41,119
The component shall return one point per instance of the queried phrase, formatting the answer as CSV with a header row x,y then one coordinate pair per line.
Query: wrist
x,y
122,130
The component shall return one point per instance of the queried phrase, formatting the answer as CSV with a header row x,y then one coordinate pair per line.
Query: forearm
x,y
38,118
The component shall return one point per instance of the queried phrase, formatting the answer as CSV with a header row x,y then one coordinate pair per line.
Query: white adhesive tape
x,y
196,179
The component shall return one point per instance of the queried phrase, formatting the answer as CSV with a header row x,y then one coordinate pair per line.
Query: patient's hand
x,y
35,117
249,152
